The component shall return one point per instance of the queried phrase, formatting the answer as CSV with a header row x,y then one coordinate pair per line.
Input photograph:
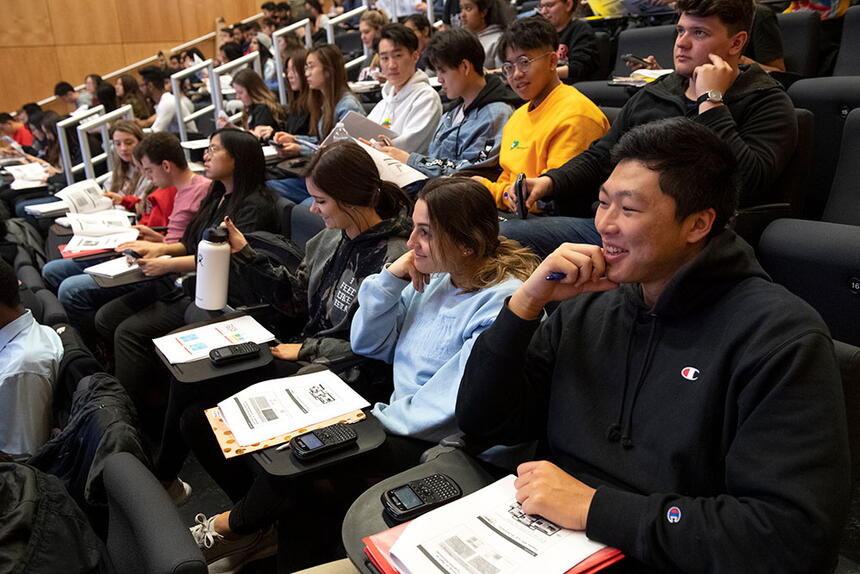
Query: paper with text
x,y
488,533
193,344
278,406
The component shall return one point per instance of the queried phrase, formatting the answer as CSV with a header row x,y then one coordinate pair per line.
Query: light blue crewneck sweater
x,y
428,337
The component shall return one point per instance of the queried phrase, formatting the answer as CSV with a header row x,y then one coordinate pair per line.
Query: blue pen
x,y
556,276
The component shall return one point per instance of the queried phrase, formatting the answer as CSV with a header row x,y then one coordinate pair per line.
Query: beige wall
x,y
45,41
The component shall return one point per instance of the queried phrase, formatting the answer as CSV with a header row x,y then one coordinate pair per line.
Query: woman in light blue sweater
x,y
423,314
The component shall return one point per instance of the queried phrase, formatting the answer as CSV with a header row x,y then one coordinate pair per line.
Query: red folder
x,y
378,549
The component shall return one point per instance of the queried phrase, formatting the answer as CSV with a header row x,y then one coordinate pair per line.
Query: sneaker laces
x,y
204,531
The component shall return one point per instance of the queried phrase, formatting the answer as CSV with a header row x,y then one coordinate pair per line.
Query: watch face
x,y
715,96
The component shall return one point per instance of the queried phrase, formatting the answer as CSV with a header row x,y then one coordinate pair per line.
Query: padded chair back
x,y
304,226
145,533
611,113
657,41
285,214
801,29
830,99
605,55
848,60
820,263
849,365
349,43
843,203
792,183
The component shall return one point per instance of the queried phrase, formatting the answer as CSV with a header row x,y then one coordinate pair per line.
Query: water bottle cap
x,y
215,235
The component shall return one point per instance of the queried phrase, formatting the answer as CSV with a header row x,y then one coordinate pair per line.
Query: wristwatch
x,y
715,96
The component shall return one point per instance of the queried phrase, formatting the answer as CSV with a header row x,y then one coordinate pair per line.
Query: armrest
x,y
454,442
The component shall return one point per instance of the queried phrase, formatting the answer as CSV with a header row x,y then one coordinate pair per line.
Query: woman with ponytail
x,y
422,313
367,224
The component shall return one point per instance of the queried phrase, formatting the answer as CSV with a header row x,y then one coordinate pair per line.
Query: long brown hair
x,y
464,217
259,94
346,172
323,102
298,102
124,172
132,95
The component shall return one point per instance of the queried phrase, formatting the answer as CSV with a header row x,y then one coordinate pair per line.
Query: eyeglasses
x,y
212,149
546,6
522,64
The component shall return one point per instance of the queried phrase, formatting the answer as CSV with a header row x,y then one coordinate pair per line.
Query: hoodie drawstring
x,y
614,432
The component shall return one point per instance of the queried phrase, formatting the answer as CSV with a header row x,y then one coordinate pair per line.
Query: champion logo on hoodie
x,y
690,373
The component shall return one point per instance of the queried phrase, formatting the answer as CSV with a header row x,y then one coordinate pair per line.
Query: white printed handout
x,y
193,344
488,531
279,406
391,169
28,175
100,223
81,197
96,242
113,268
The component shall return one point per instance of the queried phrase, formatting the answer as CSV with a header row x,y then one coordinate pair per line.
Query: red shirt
x,y
23,136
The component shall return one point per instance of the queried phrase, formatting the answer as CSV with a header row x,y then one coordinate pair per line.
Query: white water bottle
x,y
339,132
213,269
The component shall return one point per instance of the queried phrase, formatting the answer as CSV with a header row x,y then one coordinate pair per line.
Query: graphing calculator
x,y
233,353
323,441
419,496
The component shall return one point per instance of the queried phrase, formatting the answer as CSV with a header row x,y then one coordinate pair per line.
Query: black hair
x,y
421,22
249,176
232,50
31,107
270,6
35,119
528,34
252,26
195,52
154,75
285,6
399,35
736,15
315,5
106,95
9,294
453,45
696,168
161,146
4,118
495,12
63,88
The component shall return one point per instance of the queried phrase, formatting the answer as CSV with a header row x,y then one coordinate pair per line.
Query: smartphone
x,y
233,353
134,255
414,498
275,144
522,211
323,441
635,60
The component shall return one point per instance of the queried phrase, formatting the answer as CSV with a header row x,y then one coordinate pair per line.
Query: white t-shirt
x,y
165,114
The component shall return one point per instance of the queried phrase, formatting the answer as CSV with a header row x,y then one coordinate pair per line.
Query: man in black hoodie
x,y
743,105
689,410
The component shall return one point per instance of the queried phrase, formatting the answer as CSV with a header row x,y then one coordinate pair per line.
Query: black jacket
x,y
723,401
577,45
758,122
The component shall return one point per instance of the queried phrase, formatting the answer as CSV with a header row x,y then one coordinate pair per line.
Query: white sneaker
x,y
226,556
179,492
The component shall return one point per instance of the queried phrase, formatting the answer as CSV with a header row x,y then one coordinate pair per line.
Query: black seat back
x,y
843,203
848,60
801,30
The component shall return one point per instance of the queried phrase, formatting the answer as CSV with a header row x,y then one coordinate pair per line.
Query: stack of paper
x,y
82,197
100,230
487,531
28,175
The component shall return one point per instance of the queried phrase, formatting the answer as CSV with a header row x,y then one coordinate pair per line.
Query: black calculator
x,y
322,441
419,496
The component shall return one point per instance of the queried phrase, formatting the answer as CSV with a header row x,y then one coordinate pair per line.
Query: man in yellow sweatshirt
x,y
557,122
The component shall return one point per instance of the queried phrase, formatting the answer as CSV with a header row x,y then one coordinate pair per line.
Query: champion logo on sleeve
x,y
674,515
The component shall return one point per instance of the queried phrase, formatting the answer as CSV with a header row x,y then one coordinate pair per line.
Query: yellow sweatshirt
x,y
537,140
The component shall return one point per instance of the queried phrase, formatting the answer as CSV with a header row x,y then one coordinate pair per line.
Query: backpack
x,y
31,246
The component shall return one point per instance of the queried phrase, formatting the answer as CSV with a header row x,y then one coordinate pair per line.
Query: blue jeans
x,y
293,188
545,234
80,295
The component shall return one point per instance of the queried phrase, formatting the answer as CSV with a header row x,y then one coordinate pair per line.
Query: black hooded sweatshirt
x,y
757,121
712,426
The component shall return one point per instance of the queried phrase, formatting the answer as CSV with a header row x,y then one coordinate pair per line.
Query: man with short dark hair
x,y
155,85
556,122
12,128
689,410
470,132
66,93
742,104
31,355
409,106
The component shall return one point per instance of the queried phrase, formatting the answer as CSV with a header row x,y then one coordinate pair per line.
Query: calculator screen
x,y
311,441
408,497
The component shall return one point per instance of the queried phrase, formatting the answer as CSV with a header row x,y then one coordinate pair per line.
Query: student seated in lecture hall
x,y
422,313
555,124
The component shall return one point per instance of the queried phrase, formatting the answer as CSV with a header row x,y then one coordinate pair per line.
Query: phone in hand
x,y
414,498
132,254
522,210
630,58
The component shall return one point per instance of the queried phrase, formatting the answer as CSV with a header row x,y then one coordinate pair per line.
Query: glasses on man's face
x,y
522,64
546,6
